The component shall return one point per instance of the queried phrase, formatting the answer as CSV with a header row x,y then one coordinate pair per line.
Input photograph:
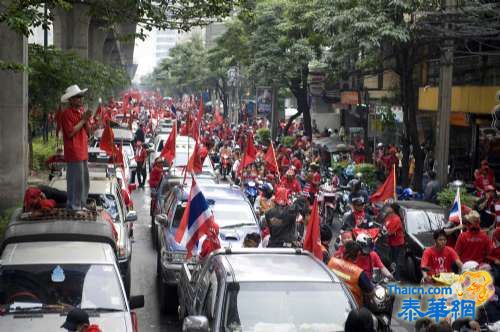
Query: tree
x,y
24,15
373,36
284,42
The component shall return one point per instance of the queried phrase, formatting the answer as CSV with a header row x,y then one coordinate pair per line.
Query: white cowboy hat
x,y
72,91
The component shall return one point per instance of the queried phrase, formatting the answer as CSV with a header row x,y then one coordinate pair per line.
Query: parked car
x,y
263,289
105,193
233,213
420,220
51,265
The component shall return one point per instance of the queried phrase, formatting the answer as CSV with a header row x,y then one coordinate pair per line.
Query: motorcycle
x,y
251,191
380,303
225,166
328,198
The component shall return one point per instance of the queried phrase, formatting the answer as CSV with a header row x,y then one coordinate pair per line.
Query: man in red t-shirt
x,y
438,258
395,237
74,123
368,259
473,244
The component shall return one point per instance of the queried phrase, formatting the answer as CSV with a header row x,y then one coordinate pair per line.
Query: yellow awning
x,y
467,99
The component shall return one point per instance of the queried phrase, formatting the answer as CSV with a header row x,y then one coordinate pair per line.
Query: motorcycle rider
x,y
326,237
483,177
313,181
280,220
353,276
438,258
290,182
368,259
264,201
355,217
225,153
356,189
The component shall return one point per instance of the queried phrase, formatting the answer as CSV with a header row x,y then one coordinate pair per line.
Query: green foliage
x,y
51,71
287,141
41,151
263,135
5,216
446,197
369,174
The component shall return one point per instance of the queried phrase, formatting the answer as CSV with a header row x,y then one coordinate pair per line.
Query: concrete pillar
x,y
13,119
71,29
97,37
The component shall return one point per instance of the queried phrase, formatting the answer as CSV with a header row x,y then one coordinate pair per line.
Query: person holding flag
x,y
197,221
455,224
312,237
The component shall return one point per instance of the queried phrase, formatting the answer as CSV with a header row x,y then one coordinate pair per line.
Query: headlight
x,y
380,293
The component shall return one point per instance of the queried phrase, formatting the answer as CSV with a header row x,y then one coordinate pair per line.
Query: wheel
x,y
411,271
168,299
127,281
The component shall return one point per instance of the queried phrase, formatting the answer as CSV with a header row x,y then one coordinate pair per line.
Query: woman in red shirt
x,y
396,237
438,258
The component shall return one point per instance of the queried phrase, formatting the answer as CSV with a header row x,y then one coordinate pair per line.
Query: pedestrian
x,y
74,123
395,238
139,134
431,188
140,157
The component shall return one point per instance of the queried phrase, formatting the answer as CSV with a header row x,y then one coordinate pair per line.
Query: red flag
x,y
107,140
194,164
312,240
249,156
387,190
168,151
218,118
125,100
270,159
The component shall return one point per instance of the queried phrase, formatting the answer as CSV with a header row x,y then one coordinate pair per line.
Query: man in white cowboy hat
x,y
74,123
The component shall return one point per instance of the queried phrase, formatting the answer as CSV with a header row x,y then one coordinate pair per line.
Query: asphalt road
x,y
144,270
144,274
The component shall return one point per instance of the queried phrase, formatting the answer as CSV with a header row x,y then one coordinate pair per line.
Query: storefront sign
x,y
264,100
349,97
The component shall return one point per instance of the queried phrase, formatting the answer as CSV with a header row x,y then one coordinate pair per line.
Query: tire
x,y
127,281
411,271
168,299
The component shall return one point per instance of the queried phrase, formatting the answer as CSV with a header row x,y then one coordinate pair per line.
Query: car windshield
x,y
108,202
225,215
420,221
60,287
285,306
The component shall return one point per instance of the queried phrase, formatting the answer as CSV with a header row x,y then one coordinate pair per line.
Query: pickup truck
x,y
261,290
50,264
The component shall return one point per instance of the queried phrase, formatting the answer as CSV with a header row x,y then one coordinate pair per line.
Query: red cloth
x,y
312,240
297,164
168,151
203,153
141,154
57,158
75,148
369,262
126,198
250,154
155,176
32,197
195,164
473,246
387,190
481,181
359,216
47,204
340,252
270,159
438,260
107,141
494,254
293,186
395,230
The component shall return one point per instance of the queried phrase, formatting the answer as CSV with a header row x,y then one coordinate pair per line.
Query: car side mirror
x,y
161,219
131,216
136,302
195,324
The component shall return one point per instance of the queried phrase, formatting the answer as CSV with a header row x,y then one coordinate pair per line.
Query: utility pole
x,y
444,104
274,112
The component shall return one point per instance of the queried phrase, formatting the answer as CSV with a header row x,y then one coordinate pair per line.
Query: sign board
x,y
264,100
349,97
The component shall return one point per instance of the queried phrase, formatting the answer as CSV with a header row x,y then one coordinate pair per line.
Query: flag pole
x,y
395,184
459,209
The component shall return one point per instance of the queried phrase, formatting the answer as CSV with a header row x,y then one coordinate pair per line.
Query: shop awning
x,y
466,99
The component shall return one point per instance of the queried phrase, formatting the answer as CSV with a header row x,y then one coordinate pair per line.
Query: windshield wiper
x,y
102,309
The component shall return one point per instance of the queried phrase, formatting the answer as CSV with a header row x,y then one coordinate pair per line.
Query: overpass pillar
x,y
13,118
71,29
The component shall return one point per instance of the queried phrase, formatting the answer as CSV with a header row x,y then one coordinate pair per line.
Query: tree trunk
x,y
411,141
301,95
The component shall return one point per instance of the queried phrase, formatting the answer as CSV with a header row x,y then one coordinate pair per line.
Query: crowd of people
x,y
289,178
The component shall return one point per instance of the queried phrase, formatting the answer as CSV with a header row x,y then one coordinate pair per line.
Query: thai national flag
x,y
456,212
174,111
195,221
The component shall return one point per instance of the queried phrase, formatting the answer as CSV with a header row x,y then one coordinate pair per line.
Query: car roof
x,y
99,184
419,205
74,252
119,133
217,192
285,265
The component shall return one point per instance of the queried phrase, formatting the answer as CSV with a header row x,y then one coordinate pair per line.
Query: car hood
x,y
116,321
423,239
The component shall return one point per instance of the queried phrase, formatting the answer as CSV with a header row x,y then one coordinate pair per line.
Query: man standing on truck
x,y
74,124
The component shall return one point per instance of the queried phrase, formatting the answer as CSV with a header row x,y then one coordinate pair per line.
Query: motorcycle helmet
x,y
380,145
470,266
365,242
267,190
325,233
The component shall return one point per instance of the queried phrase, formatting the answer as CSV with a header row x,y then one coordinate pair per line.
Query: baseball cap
x,y
75,318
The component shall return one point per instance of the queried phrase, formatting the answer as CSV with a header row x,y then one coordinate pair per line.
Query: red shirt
x,y
473,246
293,186
141,154
155,176
75,148
297,164
395,229
368,262
438,260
